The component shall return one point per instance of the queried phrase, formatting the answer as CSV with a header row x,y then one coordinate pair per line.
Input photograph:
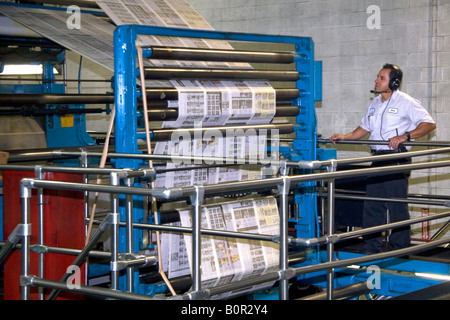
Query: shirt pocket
x,y
371,119
394,121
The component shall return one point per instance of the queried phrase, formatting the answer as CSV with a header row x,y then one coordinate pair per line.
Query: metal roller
x,y
353,290
153,104
166,134
166,114
172,94
220,74
37,99
35,111
161,104
196,54
172,113
162,94
162,114
53,80
13,99
287,111
80,3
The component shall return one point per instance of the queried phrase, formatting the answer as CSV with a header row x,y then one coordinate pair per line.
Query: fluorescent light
x,y
15,69
22,69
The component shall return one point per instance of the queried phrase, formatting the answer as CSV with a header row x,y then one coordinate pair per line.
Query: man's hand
x,y
395,142
356,134
336,137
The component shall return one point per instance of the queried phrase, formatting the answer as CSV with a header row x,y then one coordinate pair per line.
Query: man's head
x,y
388,79
395,76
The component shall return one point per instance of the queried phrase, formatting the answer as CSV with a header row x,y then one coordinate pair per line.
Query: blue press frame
x,y
309,85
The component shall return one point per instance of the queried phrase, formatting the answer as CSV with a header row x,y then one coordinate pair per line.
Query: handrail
x,y
183,192
316,164
383,142
282,182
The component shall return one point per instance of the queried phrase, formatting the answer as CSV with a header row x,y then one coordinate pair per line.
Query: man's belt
x,y
380,152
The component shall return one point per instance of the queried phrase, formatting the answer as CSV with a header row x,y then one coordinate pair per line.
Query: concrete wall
x,y
415,34
412,34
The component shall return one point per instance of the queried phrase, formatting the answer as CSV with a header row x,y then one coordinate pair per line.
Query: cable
x,y
79,74
382,118
99,180
149,150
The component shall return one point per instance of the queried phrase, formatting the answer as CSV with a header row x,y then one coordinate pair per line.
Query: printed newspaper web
x,y
202,103
210,103
232,104
225,260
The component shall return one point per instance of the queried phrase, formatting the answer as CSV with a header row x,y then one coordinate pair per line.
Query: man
x,y
396,117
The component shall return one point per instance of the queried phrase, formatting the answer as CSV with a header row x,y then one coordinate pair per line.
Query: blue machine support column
x,y
125,73
47,74
126,138
63,130
305,142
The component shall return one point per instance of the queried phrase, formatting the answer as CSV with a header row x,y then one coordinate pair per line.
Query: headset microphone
x,y
377,92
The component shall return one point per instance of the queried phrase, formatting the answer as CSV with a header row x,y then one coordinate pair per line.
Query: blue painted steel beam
x,y
125,73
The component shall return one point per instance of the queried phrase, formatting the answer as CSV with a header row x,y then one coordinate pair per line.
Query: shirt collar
x,y
393,97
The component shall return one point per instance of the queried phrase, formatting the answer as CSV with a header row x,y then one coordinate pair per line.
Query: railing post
x,y
41,227
129,227
25,196
284,217
197,201
84,163
330,231
115,233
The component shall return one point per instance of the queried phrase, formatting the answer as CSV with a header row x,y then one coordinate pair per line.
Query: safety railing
x,y
197,194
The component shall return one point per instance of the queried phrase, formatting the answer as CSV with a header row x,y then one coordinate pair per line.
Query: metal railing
x,y
197,194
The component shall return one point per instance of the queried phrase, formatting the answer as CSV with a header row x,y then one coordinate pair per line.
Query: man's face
x,y
382,81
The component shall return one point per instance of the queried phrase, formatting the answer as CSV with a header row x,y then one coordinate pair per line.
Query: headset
x,y
395,76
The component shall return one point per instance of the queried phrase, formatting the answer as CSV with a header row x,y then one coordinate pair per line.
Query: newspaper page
x,y
205,176
226,260
174,254
166,13
233,149
217,103
93,40
180,14
204,108
255,258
